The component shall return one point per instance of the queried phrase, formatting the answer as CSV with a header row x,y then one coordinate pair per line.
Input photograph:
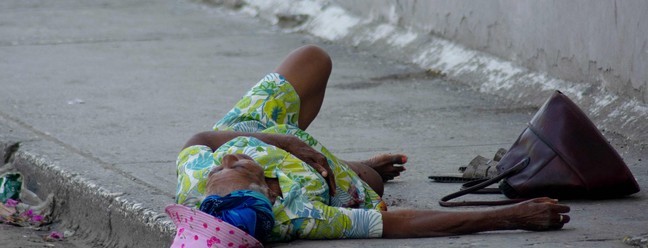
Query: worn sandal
x,y
478,168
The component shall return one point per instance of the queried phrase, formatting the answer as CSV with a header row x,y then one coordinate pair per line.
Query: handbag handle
x,y
445,201
483,191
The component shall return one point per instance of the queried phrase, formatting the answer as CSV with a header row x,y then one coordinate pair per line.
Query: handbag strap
x,y
445,201
480,191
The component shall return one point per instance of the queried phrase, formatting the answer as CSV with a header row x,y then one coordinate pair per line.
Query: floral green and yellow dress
x,y
305,209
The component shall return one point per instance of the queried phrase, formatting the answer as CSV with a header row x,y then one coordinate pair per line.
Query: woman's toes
x,y
399,159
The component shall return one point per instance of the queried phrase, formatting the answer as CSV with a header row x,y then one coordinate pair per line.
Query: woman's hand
x,y
289,143
312,157
539,214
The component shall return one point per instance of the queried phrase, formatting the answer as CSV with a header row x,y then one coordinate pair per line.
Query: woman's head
x,y
237,172
247,210
238,194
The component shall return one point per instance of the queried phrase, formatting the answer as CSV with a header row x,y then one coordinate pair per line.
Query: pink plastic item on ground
x,y
195,228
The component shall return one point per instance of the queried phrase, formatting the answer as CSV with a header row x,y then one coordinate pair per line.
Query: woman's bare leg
x,y
307,69
384,165
378,170
368,175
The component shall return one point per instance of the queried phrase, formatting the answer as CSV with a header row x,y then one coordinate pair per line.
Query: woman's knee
x,y
318,56
308,62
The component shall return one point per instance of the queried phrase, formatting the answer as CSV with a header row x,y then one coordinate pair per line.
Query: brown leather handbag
x,y
560,154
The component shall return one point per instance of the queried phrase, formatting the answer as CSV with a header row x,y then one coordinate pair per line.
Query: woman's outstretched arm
x,y
538,214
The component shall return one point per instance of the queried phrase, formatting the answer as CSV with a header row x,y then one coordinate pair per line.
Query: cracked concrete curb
x,y
7,149
100,215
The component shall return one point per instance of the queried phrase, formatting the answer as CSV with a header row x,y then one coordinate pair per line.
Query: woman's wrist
x,y
504,219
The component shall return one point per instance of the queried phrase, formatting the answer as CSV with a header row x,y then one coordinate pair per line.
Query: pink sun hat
x,y
194,228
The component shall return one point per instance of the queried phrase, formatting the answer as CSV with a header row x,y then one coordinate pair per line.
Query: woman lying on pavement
x,y
261,172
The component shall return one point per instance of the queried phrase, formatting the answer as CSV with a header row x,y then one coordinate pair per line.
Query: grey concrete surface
x,y
101,95
11,236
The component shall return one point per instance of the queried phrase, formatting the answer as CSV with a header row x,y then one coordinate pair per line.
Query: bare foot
x,y
384,164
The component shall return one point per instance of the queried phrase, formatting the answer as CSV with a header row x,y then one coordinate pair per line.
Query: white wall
x,y
601,42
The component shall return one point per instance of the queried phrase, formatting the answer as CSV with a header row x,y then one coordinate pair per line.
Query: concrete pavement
x,y
101,95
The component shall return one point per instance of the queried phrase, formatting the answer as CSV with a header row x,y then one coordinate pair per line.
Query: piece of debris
x,y
637,241
21,207
75,101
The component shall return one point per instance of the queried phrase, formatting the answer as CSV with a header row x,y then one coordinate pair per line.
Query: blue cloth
x,y
247,210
